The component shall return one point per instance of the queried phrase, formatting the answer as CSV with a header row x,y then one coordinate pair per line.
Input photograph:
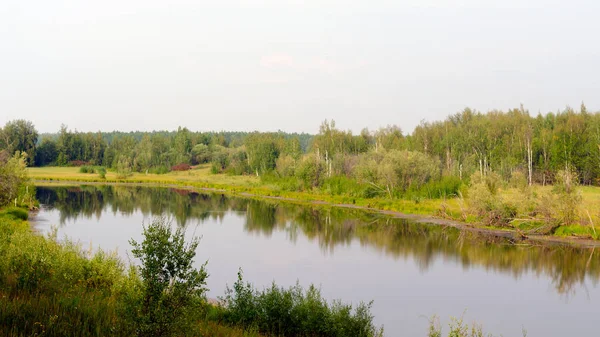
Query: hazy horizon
x,y
289,65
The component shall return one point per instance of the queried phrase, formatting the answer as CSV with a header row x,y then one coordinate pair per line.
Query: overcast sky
x,y
269,65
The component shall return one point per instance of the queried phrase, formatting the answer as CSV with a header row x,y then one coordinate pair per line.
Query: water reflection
x,y
567,267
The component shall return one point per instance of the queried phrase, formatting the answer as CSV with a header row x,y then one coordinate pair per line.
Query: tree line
x,y
386,161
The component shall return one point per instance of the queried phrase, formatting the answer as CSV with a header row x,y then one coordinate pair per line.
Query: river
x,y
411,271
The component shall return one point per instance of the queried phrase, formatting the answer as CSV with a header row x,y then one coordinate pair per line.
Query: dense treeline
x,y
384,162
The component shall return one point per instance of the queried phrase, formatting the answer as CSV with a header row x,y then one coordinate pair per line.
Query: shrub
x,y
569,196
518,180
446,187
310,172
159,170
16,213
102,173
87,169
181,167
14,183
295,312
488,206
171,287
124,170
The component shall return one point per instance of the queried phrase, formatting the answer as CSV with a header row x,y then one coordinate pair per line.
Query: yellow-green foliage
x,y
52,289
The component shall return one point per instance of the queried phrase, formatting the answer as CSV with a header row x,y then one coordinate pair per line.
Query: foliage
x,y
310,172
19,136
124,170
101,172
294,312
569,197
486,204
14,182
53,289
87,169
16,213
171,288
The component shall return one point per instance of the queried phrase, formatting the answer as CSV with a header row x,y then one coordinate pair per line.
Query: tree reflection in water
x,y
568,267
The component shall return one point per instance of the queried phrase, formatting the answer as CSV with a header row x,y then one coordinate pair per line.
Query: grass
x,y
199,175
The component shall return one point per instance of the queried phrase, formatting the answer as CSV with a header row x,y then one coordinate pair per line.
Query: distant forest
x,y
389,160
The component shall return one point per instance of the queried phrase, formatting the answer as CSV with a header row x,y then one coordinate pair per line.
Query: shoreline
x,y
417,218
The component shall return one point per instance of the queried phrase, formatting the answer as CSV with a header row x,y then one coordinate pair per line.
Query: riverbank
x,y
444,212
53,289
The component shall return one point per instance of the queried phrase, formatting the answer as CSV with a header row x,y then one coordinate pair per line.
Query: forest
x,y
386,162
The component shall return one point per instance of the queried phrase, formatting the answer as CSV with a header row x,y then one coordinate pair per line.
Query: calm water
x,y
410,271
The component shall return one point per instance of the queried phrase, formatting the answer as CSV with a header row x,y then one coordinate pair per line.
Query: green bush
x,y
171,288
159,170
341,185
294,312
16,213
53,289
446,187
102,173
87,169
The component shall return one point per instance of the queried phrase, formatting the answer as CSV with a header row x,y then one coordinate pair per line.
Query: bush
x,y
310,172
446,187
295,312
16,213
518,180
124,170
181,167
14,182
102,173
488,206
171,289
569,196
87,169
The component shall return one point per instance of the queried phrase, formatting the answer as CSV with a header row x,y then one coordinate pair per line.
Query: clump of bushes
x,y
16,213
294,312
181,167
15,187
87,169
485,202
102,173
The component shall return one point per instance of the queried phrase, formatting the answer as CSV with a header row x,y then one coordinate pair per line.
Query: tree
x,y
171,287
19,135
46,153
13,179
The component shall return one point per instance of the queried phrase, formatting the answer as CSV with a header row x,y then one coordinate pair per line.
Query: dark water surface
x,y
411,271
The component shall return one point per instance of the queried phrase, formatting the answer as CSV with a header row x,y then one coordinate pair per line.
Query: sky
x,y
289,65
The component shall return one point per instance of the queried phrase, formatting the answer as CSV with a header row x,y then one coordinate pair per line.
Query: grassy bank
x,y
51,289
457,209
59,289
202,178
